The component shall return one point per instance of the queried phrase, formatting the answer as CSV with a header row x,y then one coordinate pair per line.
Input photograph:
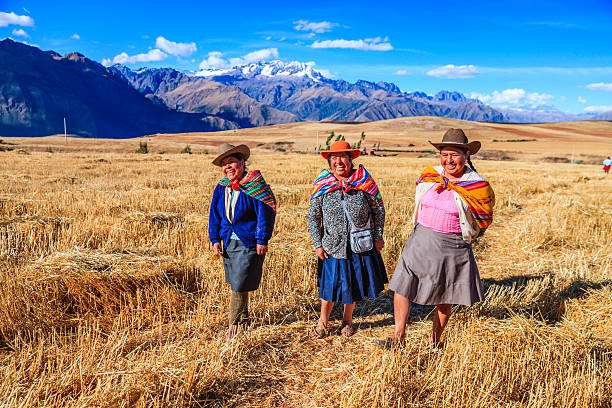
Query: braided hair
x,y
469,162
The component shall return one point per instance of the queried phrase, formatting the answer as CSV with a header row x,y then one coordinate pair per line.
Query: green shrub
x,y
186,150
142,149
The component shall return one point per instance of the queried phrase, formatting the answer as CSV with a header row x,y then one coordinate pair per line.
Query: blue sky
x,y
507,53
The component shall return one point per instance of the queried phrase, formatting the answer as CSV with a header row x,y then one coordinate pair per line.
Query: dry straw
x,y
111,295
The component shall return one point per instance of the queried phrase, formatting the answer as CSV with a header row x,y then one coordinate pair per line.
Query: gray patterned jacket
x,y
328,225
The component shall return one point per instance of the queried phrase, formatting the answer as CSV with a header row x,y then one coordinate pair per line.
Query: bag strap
x,y
350,220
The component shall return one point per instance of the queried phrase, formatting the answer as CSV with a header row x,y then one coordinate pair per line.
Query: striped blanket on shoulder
x,y
477,194
254,185
360,180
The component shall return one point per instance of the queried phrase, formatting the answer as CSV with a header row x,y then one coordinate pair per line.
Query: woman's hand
x,y
321,253
379,244
217,248
262,249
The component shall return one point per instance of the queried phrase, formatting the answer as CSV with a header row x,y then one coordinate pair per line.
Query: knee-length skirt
x,y
437,268
351,279
243,267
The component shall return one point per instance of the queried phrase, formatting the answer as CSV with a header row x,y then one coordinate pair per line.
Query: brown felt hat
x,y
456,138
227,149
341,146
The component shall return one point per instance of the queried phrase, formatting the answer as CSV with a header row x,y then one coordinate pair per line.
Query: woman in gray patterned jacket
x,y
345,204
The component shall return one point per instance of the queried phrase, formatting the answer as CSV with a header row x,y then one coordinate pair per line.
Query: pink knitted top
x,y
439,211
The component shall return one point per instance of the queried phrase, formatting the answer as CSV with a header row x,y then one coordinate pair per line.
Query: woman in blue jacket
x,y
242,214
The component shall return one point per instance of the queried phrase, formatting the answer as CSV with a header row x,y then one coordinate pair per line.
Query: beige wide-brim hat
x,y
227,149
457,138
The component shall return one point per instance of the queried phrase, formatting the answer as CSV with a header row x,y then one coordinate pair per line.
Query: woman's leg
x,y
440,318
401,311
347,321
239,310
347,318
326,308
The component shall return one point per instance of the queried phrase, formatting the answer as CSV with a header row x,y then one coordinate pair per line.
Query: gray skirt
x,y
243,267
437,268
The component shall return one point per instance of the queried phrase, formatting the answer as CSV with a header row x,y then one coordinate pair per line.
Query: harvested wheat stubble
x,y
105,326
58,290
31,234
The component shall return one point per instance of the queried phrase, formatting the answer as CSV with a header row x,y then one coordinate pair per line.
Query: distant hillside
x,y
604,116
199,95
38,89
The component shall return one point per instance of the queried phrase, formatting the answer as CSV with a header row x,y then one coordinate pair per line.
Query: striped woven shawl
x,y
254,185
477,194
360,180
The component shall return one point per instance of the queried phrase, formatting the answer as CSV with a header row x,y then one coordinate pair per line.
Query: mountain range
x,y
40,88
301,91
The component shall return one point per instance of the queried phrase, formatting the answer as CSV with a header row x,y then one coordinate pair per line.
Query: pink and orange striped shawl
x,y
477,194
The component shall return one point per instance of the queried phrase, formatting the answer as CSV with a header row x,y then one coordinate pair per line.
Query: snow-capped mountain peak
x,y
274,68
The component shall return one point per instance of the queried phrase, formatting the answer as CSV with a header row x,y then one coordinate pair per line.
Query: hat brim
x,y
242,149
356,153
472,147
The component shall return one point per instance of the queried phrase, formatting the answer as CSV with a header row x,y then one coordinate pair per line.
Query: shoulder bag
x,y
361,239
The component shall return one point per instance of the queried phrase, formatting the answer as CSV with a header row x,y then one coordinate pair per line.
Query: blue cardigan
x,y
253,220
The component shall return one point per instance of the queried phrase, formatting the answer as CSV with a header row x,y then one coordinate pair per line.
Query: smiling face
x,y
453,161
341,165
233,168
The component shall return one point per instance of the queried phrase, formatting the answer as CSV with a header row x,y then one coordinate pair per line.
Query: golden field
x,y
588,141
111,295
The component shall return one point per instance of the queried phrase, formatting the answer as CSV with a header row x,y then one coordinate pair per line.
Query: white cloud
x,y
20,32
7,19
326,73
174,48
454,72
268,38
124,58
401,72
600,87
107,62
282,39
319,28
582,100
598,109
514,97
255,56
75,36
215,59
368,44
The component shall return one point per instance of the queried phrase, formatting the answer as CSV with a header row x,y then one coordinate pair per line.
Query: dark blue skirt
x,y
352,279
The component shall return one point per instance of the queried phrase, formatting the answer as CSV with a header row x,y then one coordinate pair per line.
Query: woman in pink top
x,y
437,265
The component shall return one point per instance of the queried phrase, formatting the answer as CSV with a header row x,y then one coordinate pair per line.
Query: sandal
x,y
390,343
347,329
318,334
231,333
435,345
